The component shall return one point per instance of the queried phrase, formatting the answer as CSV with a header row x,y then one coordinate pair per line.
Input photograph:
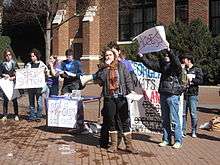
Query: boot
x,y
114,141
104,137
120,136
128,143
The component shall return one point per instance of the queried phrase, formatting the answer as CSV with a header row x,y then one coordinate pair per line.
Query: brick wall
x,y
199,8
108,21
165,11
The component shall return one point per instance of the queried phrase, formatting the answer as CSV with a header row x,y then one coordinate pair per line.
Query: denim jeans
x,y
190,104
54,89
170,117
32,93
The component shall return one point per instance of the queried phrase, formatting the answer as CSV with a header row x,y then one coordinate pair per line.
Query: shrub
x,y
5,42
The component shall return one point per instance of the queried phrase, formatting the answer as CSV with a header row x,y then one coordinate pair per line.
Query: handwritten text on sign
x,y
145,114
152,40
62,112
30,78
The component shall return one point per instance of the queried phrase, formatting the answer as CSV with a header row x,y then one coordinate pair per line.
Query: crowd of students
x,y
116,76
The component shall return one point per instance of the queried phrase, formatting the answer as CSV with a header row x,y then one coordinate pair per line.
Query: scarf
x,y
113,77
8,65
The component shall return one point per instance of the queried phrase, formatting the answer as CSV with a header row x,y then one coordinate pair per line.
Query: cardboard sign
x,y
62,112
30,78
145,114
7,87
152,40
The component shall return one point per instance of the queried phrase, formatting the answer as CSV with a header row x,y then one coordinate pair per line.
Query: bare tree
x,y
42,12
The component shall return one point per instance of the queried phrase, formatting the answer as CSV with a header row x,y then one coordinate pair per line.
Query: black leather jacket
x,y
193,88
170,73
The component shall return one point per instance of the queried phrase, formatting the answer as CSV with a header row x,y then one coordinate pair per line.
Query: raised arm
x,y
175,61
153,65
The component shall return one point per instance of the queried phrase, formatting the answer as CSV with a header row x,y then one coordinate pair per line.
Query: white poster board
x,y
152,40
62,112
30,78
145,114
7,87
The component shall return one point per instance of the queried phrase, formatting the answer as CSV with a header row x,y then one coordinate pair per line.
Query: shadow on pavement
x,y
45,128
88,139
209,110
143,137
208,137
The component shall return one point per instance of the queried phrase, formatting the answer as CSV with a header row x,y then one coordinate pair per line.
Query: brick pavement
x,y
34,143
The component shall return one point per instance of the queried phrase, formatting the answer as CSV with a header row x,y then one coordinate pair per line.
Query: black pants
x,y
115,118
115,114
5,105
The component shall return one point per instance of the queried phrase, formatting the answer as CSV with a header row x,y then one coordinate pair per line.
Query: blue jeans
x,y
54,89
170,118
190,104
32,93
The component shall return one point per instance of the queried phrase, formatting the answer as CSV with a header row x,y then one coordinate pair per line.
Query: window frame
x,y
211,18
182,5
130,25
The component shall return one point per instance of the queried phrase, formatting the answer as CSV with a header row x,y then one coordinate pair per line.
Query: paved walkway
x,y
34,143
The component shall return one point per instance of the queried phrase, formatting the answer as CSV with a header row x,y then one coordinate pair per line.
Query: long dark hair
x,y
36,53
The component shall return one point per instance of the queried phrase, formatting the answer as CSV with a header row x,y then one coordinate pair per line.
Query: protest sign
x,y
152,40
30,78
145,114
7,87
62,112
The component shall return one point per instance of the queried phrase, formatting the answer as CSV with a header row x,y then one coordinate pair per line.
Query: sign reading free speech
x,y
30,78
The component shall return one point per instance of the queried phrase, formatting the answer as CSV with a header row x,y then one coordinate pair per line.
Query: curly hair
x,y
6,51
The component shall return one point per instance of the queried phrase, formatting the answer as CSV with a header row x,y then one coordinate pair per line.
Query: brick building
x,y
120,20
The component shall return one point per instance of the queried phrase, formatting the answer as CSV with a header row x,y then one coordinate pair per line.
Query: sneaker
x,y
163,144
177,145
16,118
4,118
194,135
184,135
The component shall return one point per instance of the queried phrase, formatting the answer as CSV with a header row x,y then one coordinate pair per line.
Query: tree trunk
x,y
47,38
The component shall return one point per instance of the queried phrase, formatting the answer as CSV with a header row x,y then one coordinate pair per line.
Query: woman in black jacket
x,y
8,68
116,83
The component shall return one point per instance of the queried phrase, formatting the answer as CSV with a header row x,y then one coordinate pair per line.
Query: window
x,y
215,17
78,50
79,32
181,10
135,16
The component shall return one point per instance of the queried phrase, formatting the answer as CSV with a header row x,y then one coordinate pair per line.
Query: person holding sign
x,y
7,71
170,91
117,83
195,78
71,71
35,92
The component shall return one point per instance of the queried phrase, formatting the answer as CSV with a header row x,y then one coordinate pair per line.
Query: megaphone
x,y
85,79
